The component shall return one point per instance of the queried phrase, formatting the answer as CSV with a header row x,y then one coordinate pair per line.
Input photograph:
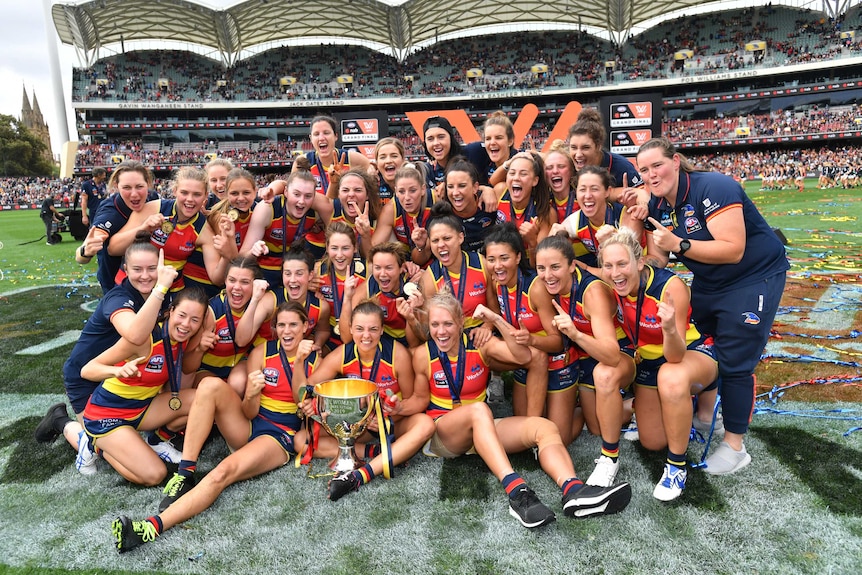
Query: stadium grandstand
x,y
243,81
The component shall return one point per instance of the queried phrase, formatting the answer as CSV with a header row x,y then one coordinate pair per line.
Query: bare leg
x,y
255,458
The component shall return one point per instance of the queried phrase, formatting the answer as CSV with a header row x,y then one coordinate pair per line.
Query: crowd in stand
x,y
573,59
747,165
817,120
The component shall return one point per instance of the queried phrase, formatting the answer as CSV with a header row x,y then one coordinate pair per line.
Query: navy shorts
x,y
264,427
79,393
558,379
647,370
739,321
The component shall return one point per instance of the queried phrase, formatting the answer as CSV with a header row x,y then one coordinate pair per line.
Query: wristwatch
x,y
684,246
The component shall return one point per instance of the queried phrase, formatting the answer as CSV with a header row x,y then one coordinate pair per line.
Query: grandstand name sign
x,y
513,94
202,105
723,76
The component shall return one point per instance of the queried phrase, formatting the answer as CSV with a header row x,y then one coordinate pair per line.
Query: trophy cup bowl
x,y
344,408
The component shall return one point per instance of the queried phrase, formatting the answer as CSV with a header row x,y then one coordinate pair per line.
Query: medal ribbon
x,y
299,226
567,343
638,309
418,221
462,279
529,211
231,326
174,367
507,313
455,383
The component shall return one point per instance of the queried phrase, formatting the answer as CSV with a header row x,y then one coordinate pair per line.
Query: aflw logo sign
x,y
360,130
625,114
628,141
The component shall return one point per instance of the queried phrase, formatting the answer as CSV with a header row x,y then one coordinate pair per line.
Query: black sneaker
x,y
341,485
526,508
176,487
130,534
597,500
46,431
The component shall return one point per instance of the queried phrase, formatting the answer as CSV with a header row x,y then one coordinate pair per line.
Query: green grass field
x,y
796,509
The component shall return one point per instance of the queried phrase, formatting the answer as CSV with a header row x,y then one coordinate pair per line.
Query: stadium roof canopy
x,y
398,25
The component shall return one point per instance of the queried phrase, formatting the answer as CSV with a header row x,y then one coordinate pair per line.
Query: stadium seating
x,y
573,60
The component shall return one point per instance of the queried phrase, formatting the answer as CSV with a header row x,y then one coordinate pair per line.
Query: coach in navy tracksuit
x,y
739,268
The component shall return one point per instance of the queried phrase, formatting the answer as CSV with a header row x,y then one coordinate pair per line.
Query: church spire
x,y
25,106
37,113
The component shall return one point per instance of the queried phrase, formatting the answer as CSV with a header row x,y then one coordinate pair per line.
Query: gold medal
x,y
359,267
233,214
167,226
638,357
175,403
456,403
336,330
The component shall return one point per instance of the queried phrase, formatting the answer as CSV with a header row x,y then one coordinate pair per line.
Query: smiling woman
x,y
178,227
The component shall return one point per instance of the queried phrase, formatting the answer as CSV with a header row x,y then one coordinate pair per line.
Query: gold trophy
x,y
344,408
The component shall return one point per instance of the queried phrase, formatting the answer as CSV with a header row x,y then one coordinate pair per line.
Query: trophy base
x,y
344,462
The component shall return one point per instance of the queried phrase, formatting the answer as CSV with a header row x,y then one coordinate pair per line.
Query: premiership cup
x,y
344,408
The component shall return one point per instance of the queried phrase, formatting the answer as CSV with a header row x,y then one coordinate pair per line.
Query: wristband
x,y
161,289
82,254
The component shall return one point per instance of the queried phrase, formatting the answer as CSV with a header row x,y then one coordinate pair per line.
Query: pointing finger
x,y
557,306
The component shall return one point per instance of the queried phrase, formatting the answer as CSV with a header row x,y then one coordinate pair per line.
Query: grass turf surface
x,y
796,509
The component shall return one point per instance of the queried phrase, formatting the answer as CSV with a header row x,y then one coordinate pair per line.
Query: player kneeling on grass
x,y
130,398
128,311
674,360
456,374
259,428
388,364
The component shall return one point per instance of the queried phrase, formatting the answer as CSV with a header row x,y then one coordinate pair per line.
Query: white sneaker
x,y
702,427
672,483
726,460
167,452
631,431
605,472
85,461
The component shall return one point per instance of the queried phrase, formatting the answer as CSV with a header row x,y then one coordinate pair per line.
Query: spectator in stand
x,y
92,194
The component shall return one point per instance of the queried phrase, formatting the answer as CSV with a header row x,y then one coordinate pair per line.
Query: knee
x,y
224,474
421,426
539,360
604,380
480,411
545,432
651,442
673,384
210,387
153,476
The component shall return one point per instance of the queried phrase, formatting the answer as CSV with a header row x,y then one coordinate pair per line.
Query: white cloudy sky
x,y
25,51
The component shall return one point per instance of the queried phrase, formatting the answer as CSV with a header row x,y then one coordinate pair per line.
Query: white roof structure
x,y
401,27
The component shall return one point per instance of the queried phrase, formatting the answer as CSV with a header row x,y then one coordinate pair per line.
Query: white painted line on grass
x,y
64,338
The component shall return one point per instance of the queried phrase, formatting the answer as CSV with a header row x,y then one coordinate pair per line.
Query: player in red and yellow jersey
x,y
454,375
673,359
259,429
388,364
129,400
